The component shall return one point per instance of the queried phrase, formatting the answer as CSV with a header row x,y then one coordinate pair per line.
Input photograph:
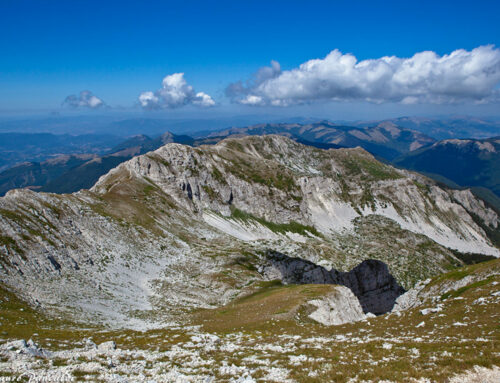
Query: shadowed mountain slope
x,y
466,162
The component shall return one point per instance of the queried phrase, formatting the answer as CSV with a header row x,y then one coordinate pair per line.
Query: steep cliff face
x,y
184,227
370,281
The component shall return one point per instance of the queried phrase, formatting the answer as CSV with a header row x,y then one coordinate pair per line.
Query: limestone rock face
x,y
370,281
338,307
476,206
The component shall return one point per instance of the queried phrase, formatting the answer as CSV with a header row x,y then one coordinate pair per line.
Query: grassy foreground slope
x,y
461,333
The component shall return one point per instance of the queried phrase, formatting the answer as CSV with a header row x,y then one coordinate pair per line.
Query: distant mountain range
x,y
123,125
465,162
385,140
70,173
37,174
16,148
445,128
455,162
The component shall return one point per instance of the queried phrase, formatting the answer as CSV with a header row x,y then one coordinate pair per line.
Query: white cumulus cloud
x,y
203,99
84,100
424,78
175,92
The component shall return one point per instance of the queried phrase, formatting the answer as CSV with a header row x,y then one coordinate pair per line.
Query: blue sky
x,y
117,50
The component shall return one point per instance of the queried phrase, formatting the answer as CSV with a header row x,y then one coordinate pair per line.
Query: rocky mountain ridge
x,y
182,228
385,139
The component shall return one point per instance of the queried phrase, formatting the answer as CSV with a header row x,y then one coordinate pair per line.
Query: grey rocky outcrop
x,y
337,307
107,346
29,348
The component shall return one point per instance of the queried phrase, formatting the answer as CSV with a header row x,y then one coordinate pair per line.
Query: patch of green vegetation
x,y
24,220
55,209
7,241
246,260
37,233
122,204
277,179
59,362
367,198
352,167
472,258
282,228
456,275
269,173
460,291
235,145
463,272
284,182
422,187
195,172
369,168
11,244
210,192
159,159
344,188
271,301
12,216
148,189
81,375
264,289
218,176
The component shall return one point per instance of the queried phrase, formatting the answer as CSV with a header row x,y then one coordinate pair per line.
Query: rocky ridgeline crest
x,y
279,180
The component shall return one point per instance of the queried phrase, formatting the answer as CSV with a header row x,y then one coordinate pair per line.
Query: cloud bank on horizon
x,y
86,99
461,76
175,92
